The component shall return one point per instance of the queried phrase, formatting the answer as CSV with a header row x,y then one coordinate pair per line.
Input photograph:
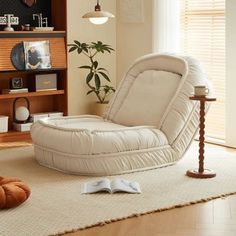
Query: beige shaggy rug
x,y
56,205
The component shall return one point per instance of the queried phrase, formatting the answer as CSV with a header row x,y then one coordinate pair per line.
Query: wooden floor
x,y
213,218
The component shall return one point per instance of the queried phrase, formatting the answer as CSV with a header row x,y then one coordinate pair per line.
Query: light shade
x,y
98,16
98,20
22,114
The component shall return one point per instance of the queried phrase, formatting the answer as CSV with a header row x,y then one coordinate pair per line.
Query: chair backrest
x,y
155,91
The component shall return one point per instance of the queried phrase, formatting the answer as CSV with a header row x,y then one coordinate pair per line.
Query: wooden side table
x,y
201,172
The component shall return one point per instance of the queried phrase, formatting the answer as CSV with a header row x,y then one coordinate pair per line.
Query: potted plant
x,y
96,74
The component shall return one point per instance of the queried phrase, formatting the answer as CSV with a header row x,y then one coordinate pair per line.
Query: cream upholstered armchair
x,y
149,123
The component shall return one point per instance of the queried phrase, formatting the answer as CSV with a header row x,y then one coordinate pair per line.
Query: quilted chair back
x,y
155,91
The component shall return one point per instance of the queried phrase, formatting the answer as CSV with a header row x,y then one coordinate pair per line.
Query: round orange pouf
x,y
13,192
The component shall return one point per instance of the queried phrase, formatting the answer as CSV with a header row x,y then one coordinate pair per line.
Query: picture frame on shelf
x,y
37,55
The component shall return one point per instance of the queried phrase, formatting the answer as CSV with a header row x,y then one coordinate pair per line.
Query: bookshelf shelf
x,y
32,94
13,136
33,34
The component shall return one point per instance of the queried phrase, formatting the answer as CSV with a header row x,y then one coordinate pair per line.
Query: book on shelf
x,y
13,91
111,186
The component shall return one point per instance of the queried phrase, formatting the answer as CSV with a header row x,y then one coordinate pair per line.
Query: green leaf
x,y
77,42
90,92
85,49
102,69
105,76
79,50
72,49
85,67
95,64
97,82
89,77
84,45
107,50
106,90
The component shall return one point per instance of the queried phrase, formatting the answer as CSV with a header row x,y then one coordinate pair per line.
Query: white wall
x,y
133,39
230,73
82,30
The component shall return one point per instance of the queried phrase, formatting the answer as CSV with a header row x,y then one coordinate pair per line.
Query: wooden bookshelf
x,y
40,101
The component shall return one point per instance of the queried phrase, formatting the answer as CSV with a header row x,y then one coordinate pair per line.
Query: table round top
x,y
202,98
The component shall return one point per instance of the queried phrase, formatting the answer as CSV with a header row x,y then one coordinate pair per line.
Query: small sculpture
x,y
9,19
42,21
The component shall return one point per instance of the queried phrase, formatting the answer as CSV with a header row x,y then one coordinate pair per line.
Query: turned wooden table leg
x,y
201,172
201,137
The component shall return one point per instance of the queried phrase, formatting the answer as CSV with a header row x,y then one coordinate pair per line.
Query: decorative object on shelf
x,y
22,127
21,113
29,3
98,16
38,116
3,124
18,56
25,27
55,114
201,173
95,73
13,192
37,55
9,19
43,28
44,82
16,83
42,21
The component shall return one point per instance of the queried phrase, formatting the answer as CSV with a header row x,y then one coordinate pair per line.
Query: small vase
x,y
99,108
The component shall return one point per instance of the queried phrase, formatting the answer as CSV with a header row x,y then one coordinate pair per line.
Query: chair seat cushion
x,y
86,141
90,135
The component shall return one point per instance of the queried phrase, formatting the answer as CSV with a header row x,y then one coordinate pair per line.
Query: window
x,y
203,37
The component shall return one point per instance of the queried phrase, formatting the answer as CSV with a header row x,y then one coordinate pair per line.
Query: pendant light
x,y
98,17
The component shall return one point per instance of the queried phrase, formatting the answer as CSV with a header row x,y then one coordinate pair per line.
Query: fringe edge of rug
x,y
143,213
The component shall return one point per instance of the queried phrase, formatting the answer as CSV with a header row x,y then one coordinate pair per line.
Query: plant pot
x,y
99,108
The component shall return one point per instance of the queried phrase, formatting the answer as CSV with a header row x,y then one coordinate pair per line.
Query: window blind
x,y
203,37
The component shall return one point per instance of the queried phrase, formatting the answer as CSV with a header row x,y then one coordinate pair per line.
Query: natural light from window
x,y
203,37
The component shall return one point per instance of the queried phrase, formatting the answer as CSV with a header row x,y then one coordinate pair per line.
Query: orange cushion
x,y
13,192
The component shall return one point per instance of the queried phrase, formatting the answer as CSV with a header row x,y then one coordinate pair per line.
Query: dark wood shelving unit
x,y
40,101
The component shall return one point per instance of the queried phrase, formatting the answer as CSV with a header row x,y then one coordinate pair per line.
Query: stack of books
x,y
13,91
